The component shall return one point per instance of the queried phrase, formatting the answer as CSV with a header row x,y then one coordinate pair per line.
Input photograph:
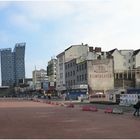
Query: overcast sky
x,y
49,27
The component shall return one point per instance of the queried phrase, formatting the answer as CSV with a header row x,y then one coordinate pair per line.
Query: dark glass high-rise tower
x,y
13,65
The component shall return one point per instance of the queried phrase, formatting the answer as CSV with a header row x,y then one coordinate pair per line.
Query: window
x,y
82,66
73,73
77,78
120,75
85,76
71,82
77,67
61,75
85,65
82,77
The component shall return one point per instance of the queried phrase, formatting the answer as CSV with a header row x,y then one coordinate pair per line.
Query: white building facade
x,y
60,73
39,77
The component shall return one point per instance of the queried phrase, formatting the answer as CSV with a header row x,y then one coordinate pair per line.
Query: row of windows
x,y
69,74
70,82
125,76
81,77
69,65
81,67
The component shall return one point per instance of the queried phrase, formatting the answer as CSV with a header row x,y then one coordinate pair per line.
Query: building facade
x,y
60,73
127,57
89,70
119,61
39,78
135,59
51,72
76,51
100,75
7,67
19,61
74,74
124,75
13,65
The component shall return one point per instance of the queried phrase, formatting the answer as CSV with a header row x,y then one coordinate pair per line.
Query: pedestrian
x,y
137,107
82,97
49,96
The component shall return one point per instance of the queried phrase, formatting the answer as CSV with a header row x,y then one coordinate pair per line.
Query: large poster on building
x,y
100,75
45,85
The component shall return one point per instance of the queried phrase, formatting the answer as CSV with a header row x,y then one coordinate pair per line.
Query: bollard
x,y
57,103
86,108
71,105
89,108
108,110
93,108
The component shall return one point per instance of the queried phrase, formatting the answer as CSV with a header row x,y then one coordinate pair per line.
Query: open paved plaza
x,y
36,120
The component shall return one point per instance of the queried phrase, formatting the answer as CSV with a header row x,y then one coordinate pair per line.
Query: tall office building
x,y
13,65
19,62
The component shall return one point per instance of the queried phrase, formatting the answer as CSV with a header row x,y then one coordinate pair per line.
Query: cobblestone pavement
x,y
37,120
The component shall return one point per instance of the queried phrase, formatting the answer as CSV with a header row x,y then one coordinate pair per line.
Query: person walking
x,y
137,107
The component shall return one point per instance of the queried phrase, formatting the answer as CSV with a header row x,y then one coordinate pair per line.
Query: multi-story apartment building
x,y
13,65
51,72
135,59
74,51
39,78
76,77
127,57
123,74
60,73
78,59
70,74
77,73
89,76
76,65
126,68
119,61
135,67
